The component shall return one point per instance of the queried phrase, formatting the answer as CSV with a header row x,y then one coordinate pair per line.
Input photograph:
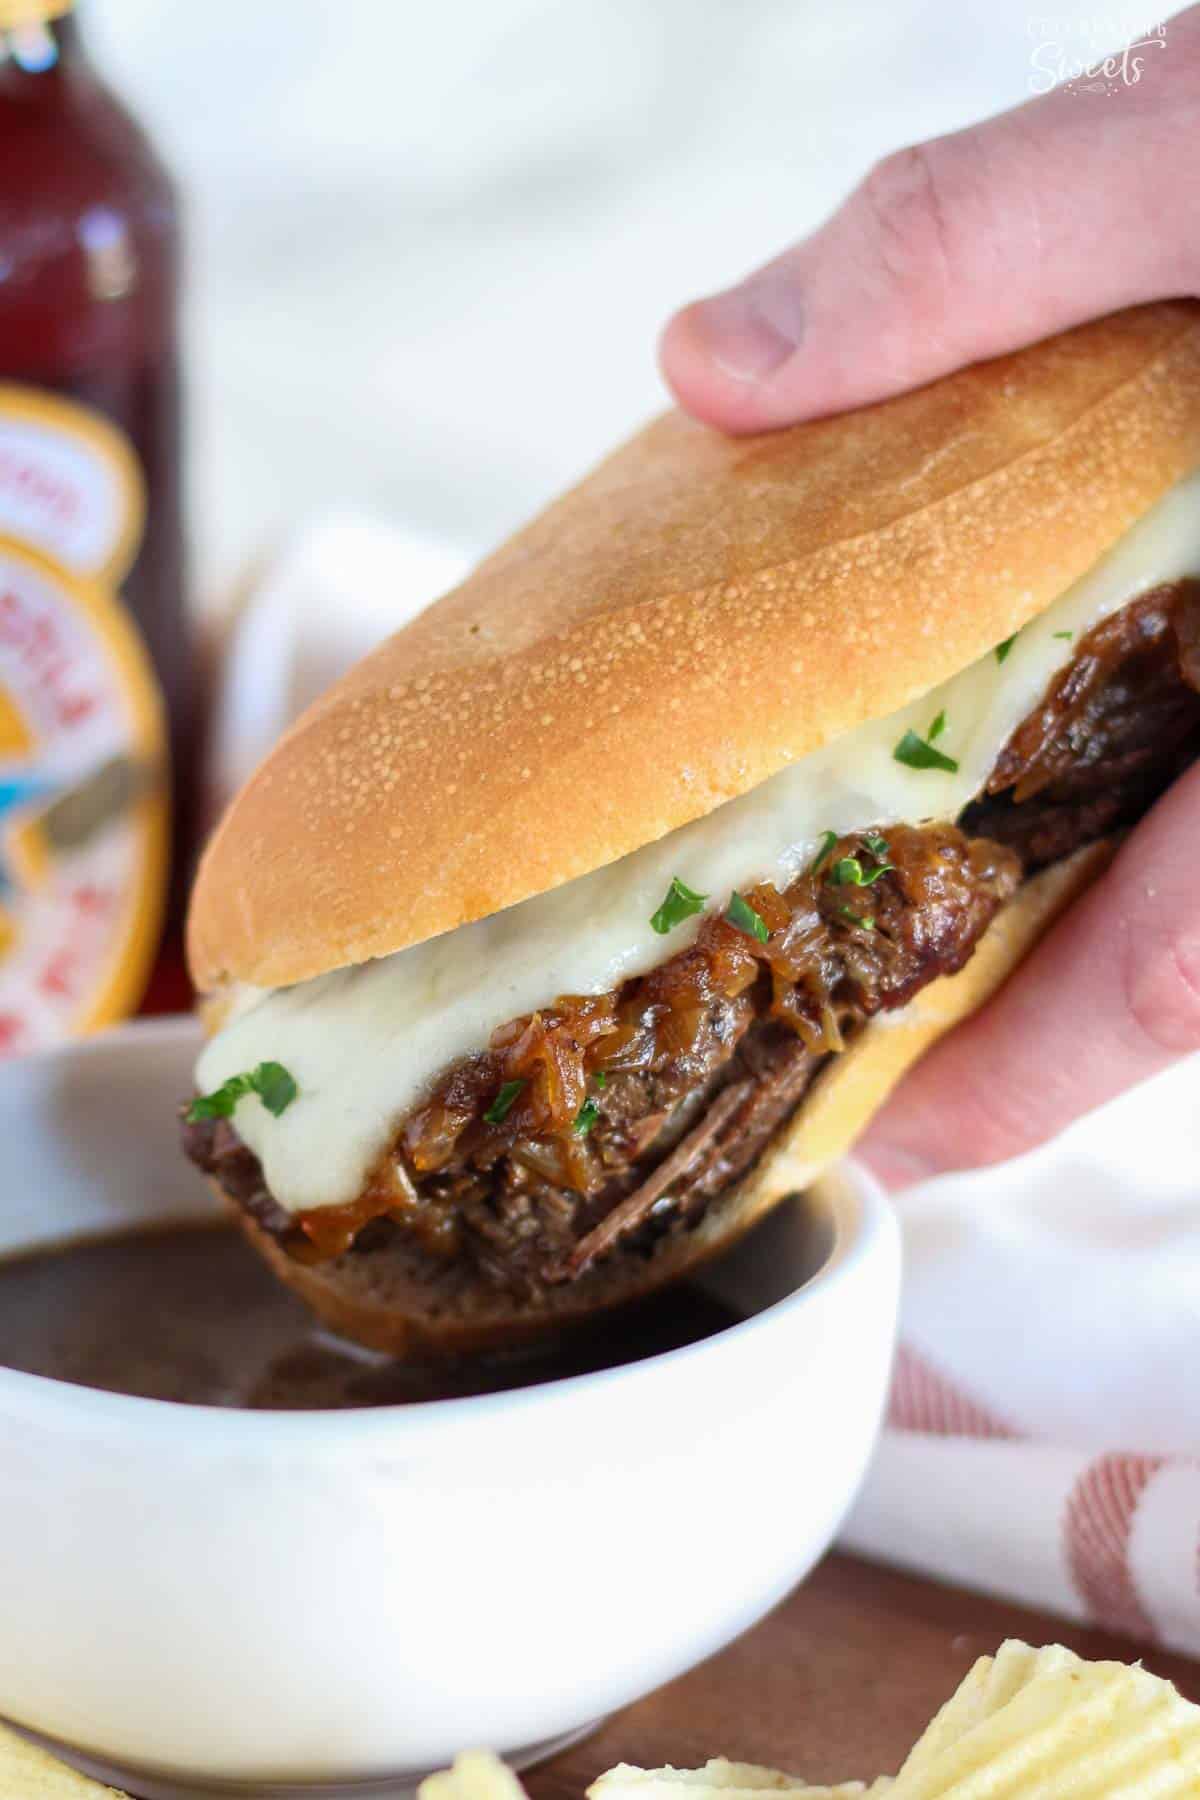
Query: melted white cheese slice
x,y
362,1043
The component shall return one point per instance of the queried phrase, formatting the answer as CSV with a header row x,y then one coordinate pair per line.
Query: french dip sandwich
x,y
599,908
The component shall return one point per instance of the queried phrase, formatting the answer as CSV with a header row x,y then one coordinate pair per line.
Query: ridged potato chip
x,y
473,1775
1023,1725
989,1684
717,1773
719,1778
1046,1725
33,1774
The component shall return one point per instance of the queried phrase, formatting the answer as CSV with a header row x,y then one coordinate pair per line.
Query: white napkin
x,y
319,602
1044,1432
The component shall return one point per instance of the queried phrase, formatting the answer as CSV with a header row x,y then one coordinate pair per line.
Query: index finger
x,y
1110,997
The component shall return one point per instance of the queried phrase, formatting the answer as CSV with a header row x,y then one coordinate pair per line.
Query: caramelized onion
x,y
826,944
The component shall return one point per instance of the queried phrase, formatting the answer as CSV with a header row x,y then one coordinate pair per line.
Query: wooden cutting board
x,y
835,1685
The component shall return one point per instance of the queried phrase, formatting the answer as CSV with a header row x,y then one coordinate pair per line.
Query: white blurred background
x,y
432,245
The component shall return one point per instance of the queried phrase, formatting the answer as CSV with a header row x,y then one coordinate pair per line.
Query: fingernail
x,y
751,330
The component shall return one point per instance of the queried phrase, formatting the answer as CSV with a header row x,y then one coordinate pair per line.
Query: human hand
x,y
1061,210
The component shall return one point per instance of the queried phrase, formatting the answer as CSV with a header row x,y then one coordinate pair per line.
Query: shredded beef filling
x,y
1115,728
628,1112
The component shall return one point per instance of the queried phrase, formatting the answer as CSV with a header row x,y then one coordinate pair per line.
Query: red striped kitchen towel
x,y
1043,1437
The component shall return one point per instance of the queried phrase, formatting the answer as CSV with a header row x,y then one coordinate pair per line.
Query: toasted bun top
x,y
693,616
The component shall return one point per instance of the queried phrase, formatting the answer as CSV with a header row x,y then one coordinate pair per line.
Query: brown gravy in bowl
x,y
188,1314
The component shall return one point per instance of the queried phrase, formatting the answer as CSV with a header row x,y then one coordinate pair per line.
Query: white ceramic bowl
x,y
207,1601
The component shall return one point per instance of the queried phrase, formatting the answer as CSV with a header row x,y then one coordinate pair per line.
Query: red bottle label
x,y
83,760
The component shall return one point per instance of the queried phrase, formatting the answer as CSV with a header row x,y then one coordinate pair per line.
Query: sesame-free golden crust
x,y
693,616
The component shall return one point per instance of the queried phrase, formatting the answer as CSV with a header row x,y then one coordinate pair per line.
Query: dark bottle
x,y
95,659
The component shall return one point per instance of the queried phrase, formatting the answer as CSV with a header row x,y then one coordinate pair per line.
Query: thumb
x,y
962,248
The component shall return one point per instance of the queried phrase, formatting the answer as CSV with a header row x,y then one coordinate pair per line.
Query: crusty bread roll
x,y
698,613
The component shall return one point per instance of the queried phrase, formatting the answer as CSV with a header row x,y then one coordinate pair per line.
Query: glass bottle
x,y
95,659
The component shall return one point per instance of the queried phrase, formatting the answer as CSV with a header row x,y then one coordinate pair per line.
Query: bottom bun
x,y
404,1302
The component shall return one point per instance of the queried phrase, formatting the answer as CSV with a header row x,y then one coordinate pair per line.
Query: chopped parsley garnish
x,y
273,1084
878,846
1003,649
937,728
601,1079
919,753
743,915
849,872
863,919
681,903
828,840
502,1105
586,1117
275,1087
1065,634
